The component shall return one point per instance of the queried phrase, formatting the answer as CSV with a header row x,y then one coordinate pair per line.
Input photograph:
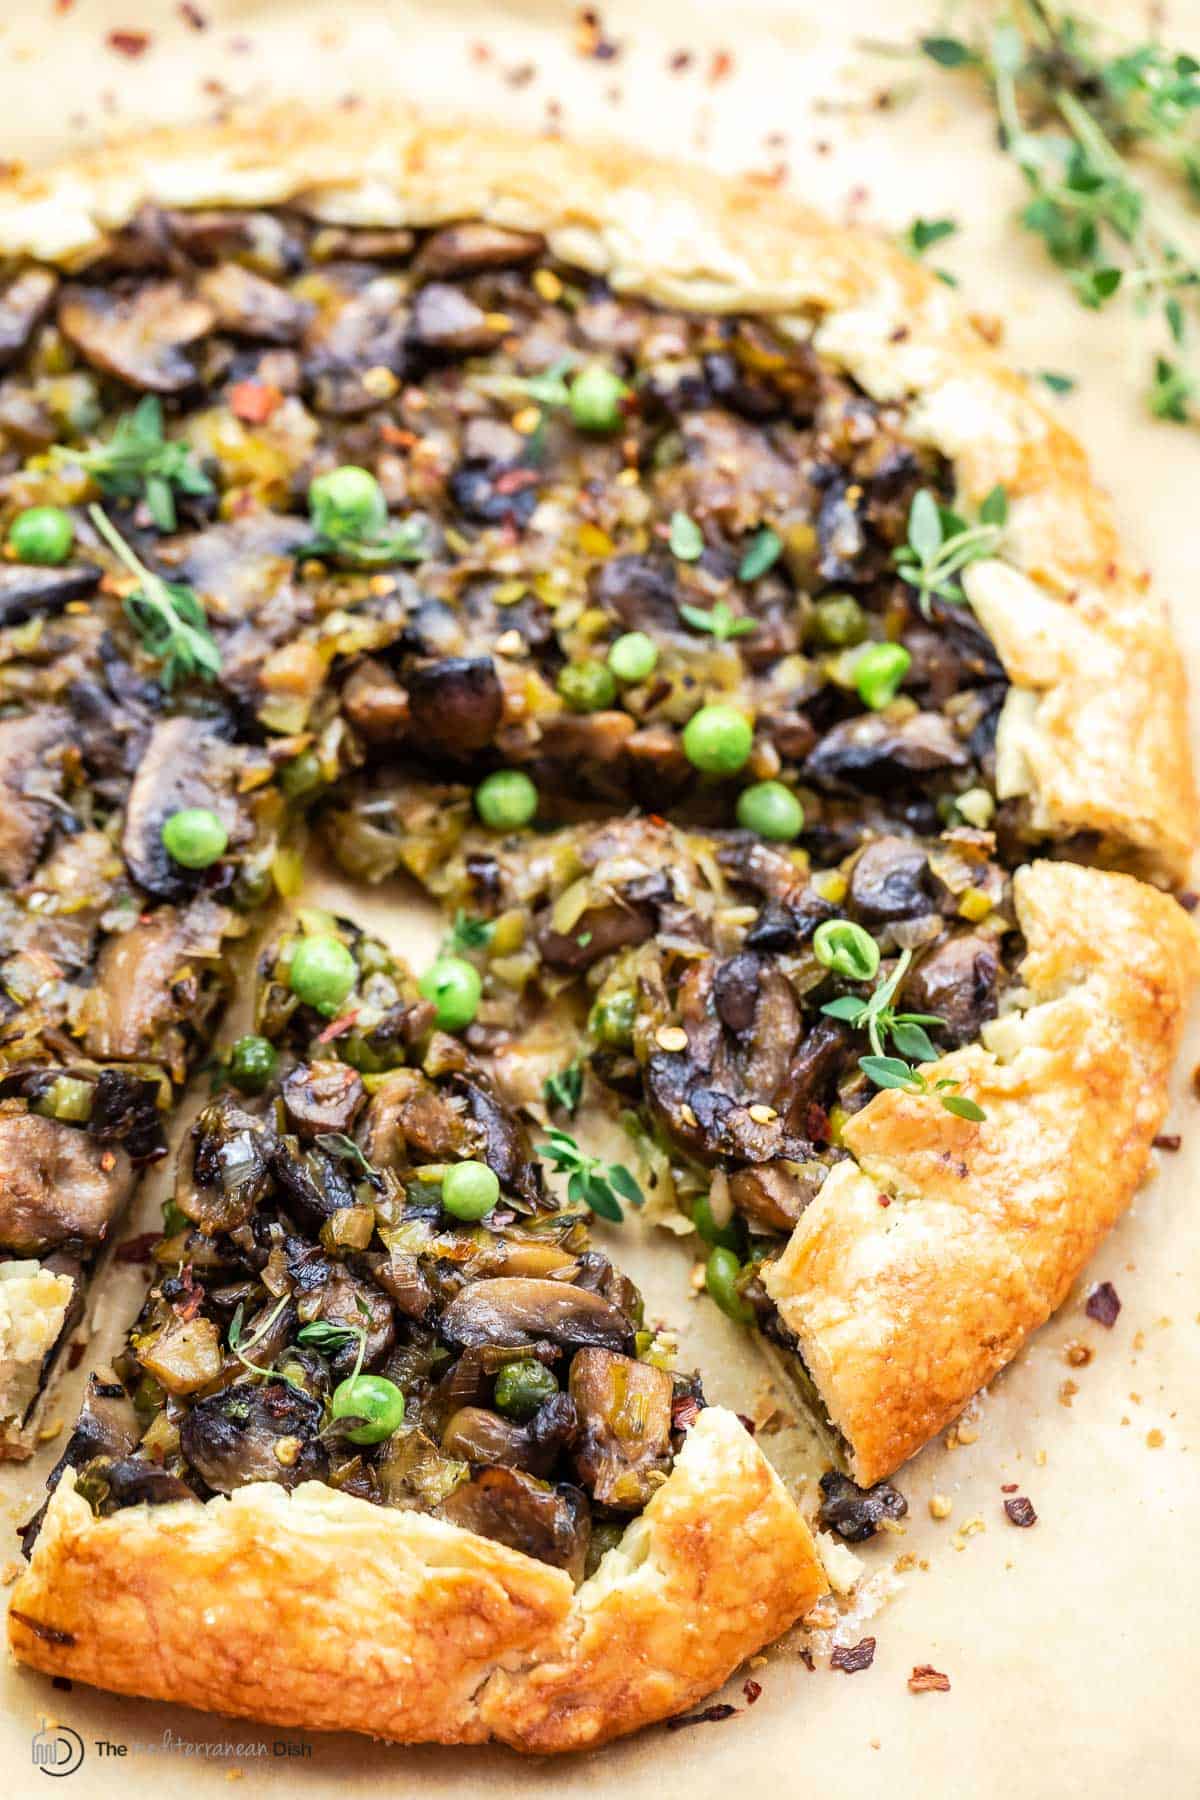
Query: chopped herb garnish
x,y
686,538
922,234
139,462
167,615
344,1149
592,1182
565,1089
1058,384
765,549
1171,391
235,1335
941,542
467,932
907,1033
722,622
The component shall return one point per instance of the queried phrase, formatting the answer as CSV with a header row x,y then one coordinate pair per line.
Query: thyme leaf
x,y
591,1182
167,615
941,543
138,461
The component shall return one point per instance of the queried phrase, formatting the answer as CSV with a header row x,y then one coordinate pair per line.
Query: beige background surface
x,y
1071,1648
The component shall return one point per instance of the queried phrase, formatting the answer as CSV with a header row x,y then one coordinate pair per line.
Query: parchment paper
x,y
1070,1647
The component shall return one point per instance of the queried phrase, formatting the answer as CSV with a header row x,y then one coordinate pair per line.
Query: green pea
x,y
717,740
771,810
42,534
587,686
612,1019
838,620
506,800
846,949
378,1402
720,1278
878,672
633,656
322,973
252,1062
347,502
195,837
522,1386
726,1236
595,398
469,1190
454,986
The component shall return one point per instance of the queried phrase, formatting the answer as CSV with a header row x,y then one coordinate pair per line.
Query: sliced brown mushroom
x,y
138,337
409,1115
224,1166
250,306
551,1524
360,1307
773,1195
32,752
478,1435
505,1147
24,303
322,1096
187,763
446,319
58,1184
455,705
891,880
149,979
513,1311
466,249
597,932
27,592
255,1433
957,982
375,703
877,752
624,1407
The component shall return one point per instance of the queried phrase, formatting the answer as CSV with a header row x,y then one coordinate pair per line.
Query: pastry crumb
x,y
940,1506
1155,1439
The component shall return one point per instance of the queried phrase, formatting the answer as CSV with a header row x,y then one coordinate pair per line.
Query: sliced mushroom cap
x,y
58,1184
411,1120
455,705
597,932
506,1148
32,752
446,319
736,990
225,1166
957,982
551,1524
255,1433
187,763
315,1185
773,1195
624,1407
374,702
107,1426
140,992
856,1513
138,337
513,1311
466,249
24,303
876,753
891,880
136,1481
27,592
251,306
367,331
360,1306
641,591
478,1435
818,1059
322,1096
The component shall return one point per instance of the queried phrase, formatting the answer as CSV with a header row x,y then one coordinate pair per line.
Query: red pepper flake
x,y
1167,1140
137,1249
1188,899
186,1310
397,437
720,67
191,15
1020,1512
809,1661
712,1715
752,1690
1008,1487
254,401
816,1123
128,43
850,1658
590,38
883,1199
514,480
684,1413
521,75
338,1027
62,6
925,1679
1103,1304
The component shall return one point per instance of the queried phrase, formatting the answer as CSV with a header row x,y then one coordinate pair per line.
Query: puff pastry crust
x,y
921,1267
318,1609
1094,729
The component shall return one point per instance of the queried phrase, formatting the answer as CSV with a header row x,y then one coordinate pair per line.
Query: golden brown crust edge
x,y
318,1609
1094,731
922,1267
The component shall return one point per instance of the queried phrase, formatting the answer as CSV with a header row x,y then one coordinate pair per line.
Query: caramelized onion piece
x,y
624,1411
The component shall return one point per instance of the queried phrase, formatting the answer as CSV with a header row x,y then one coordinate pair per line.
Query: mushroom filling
x,y
364,1282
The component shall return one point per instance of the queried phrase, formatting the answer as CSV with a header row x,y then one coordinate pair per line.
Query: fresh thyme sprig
x,y
139,462
876,1016
941,543
1072,114
565,1089
167,615
593,1182
235,1336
